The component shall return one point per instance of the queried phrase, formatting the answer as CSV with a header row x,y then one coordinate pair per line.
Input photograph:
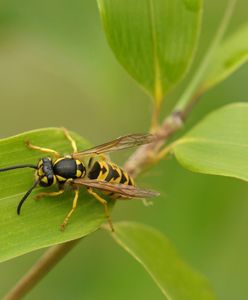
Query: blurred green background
x,y
56,69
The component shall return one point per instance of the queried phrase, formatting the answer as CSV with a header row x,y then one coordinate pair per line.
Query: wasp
x,y
89,168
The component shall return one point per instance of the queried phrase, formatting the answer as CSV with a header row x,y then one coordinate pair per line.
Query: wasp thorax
x,y
67,168
45,172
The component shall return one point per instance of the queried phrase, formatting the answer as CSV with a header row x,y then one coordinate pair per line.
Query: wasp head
x,y
45,172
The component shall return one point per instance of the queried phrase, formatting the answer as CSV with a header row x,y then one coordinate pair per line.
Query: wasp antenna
x,y
18,167
26,196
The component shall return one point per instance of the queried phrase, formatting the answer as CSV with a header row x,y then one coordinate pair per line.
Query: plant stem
x,y
155,116
49,259
143,156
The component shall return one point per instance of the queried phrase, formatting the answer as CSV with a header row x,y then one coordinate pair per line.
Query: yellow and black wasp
x,y
89,168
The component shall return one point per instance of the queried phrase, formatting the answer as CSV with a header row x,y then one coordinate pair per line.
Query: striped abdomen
x,y
107,171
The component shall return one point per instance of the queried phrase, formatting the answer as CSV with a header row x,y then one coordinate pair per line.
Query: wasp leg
x,y
71,140
45,150
105,204
50,194
74,205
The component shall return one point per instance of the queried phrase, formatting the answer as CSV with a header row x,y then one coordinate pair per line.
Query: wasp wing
x,y
126,191
120,143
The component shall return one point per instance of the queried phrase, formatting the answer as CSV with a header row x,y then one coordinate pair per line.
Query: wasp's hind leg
x,y
45,150
71,140
74,205
105,204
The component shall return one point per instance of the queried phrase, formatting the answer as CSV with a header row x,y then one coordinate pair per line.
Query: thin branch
x,y
147,154
51,257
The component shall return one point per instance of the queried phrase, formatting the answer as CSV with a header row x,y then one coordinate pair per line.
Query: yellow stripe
x,y
126,176
78,162
132,181
57,160
44,179
78,174
118,170
40,163
54,179
60,178
40,172
103,165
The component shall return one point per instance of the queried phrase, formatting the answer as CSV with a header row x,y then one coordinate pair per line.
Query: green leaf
x,y
153,40
232,53
159,258
38,225
218,144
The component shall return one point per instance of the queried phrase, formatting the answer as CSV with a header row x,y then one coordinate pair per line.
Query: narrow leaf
x,y
218,144
153,40
157,255
38,225
231,54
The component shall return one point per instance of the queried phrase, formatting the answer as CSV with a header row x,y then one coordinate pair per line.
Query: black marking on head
x,y
47,167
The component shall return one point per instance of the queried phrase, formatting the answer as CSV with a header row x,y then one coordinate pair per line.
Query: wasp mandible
x,y
95,173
